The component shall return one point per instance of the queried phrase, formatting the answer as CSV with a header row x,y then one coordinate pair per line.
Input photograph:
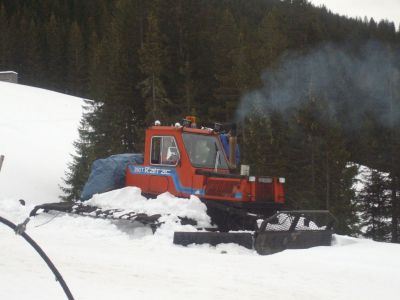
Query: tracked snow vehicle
x,y
185,160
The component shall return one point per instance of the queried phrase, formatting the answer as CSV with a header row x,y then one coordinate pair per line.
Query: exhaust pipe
x,y
232,146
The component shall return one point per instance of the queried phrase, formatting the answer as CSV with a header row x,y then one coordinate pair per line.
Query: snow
x,y
130,199
284,222
36,130
363,175
101,259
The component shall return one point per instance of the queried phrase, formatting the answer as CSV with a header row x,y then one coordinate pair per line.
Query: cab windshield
x,y
204,151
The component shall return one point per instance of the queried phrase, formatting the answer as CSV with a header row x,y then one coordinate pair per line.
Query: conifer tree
x,y
152,61
97,69
373,201
188,88
5,38
79,169
32,72
76,71
226,48
55,54
272,40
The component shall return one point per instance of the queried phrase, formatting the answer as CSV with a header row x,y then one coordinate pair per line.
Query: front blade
x,y
269,242
214,238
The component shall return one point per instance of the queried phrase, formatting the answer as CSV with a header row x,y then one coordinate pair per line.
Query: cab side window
x,y
164,151
156,150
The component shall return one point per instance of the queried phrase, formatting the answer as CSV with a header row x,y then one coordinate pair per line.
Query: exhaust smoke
x,y
353,83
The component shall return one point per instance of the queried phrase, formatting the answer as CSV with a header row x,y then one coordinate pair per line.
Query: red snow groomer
x,y
248,210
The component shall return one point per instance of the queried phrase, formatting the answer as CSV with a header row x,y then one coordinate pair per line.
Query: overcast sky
x,y
377,9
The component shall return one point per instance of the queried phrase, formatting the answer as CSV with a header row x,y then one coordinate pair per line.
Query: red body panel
x,y
182,179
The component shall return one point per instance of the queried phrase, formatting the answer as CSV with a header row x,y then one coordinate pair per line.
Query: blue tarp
x,y
108,174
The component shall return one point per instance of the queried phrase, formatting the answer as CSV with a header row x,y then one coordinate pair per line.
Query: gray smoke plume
x,y
353,83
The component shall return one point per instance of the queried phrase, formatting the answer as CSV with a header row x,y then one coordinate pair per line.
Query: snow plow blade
x,y
264,243
214,238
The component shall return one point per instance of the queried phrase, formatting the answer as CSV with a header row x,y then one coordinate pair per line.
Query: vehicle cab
x,y
172,156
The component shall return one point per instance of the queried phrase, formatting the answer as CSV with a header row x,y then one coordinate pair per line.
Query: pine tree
x,y
226,47
152,61
395,207
188,88
55,55
77,69
98,68
373,201
114,75
79,168
272,39
33,64
5,40
181,83
257,141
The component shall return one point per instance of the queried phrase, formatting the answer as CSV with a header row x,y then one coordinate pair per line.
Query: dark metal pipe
x,y
232,146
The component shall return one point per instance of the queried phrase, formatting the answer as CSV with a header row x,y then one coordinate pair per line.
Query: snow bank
x,y
37,128
102,260
129,199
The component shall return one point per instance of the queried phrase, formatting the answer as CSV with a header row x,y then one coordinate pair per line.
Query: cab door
x,y
164,157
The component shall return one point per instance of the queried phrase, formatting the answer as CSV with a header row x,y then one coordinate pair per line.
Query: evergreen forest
x,y
314,94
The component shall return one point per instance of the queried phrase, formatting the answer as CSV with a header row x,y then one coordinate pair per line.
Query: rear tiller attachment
x,y
283,230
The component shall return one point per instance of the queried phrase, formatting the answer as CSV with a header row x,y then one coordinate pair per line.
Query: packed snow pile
x,y
171,208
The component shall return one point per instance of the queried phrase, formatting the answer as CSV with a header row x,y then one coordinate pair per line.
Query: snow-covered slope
x,y
104,260
36,130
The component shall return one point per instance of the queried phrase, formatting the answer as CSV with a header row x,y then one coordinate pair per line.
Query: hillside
x,y
37,128
102,260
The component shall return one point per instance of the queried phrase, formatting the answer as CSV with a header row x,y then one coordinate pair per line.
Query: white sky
x,y
377,9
